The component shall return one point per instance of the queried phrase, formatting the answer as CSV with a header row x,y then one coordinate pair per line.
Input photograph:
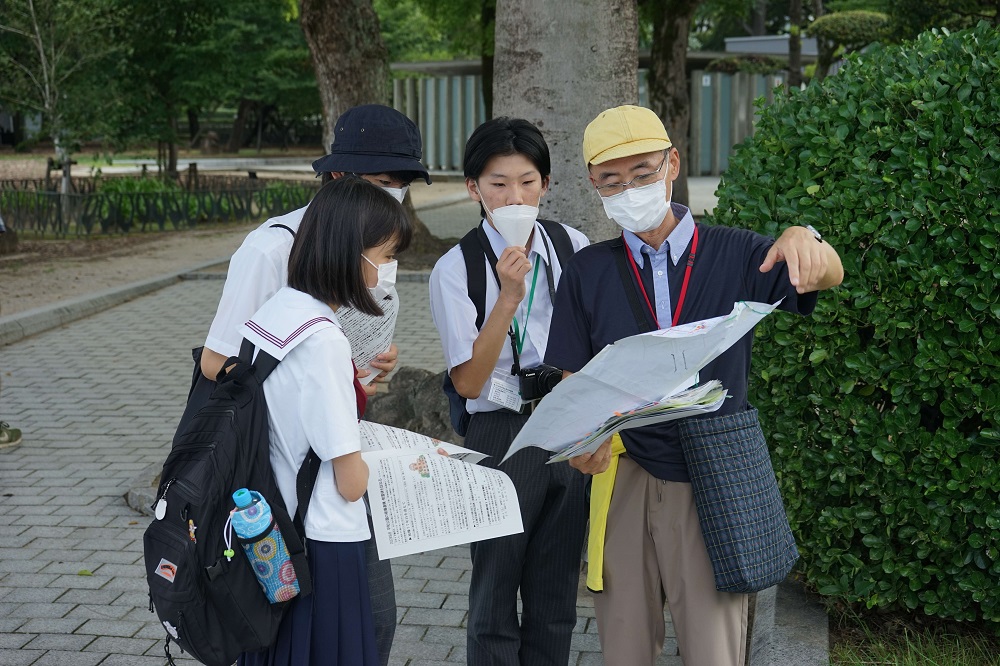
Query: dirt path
x,y
43,273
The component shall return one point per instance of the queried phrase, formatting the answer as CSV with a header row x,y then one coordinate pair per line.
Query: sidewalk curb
x,y
18,326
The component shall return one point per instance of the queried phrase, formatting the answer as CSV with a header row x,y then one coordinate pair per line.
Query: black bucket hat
x,y
374,139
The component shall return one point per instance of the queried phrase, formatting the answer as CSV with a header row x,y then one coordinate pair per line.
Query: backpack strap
x,y
475,273
305,479
560,241
618,250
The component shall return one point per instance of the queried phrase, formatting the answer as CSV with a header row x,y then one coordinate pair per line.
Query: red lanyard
x,y
684,284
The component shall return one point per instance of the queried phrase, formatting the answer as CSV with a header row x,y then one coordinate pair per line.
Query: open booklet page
x,y
421,500
369,336
641,375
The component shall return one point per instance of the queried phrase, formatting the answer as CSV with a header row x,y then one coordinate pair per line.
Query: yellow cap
x,y
623,131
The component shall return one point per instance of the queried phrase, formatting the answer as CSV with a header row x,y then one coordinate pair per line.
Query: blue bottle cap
x,y
243,498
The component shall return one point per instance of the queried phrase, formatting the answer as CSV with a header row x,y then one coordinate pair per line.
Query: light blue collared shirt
x,y
673,247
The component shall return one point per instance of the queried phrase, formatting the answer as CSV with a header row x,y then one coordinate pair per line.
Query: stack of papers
x,y
702,399
625,383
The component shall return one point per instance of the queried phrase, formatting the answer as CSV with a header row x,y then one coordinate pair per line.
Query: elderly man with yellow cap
x,y
663,270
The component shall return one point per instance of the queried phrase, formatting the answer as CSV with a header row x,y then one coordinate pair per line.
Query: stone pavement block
x,y
45,625
585,643
19,657
76,581
420,649
15,553
67,563
37,595
84,612
11,531
446,586
60,642
31,610
409,632
14,641
10,624
419,599
459,654
63,658
52,531
423,560
97,521
96,597
448,635
109,628
38,520
132,660
108,644
15,541
433,574
127,584
408,584
456,563
456,602
434,617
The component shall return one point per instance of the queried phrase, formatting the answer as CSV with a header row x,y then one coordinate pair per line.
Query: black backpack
x,y
474,250
212,605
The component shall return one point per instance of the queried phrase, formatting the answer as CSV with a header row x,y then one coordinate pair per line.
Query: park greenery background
x,y
881,409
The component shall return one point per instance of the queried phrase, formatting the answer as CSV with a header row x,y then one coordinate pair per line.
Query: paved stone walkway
x,y
98,402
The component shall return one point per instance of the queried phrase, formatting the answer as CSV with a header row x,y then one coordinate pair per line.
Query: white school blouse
x,y
310,403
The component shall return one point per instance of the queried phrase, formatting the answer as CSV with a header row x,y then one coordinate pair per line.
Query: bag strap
x,y
305,479
277,225
475,273
618,250
561,241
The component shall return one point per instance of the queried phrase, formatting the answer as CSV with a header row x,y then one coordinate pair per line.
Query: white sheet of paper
x,y
630,373
379,437
422,501
369,336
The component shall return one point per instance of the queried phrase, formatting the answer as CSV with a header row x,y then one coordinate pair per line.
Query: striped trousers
x,y
542,563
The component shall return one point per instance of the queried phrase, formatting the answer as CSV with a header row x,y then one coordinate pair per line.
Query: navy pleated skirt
x,y
333,625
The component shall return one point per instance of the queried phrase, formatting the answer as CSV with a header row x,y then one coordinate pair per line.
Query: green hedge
x,y
882,409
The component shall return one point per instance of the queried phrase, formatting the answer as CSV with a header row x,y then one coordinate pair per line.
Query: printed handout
x,y
369,336
421,500
640,376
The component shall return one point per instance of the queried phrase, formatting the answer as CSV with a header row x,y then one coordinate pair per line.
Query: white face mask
x,y
513,222
639,209
386,278
397,193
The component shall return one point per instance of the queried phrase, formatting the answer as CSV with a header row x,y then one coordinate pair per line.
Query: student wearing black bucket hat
x,y
380,145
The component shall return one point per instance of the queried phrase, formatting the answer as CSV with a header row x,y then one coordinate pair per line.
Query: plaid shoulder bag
x,y
739,507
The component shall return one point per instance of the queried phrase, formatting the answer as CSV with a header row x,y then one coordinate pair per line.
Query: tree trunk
x,y
352,68
758,18
348,54
558,65
172,147
668,81
795,45
193,126
239,126
488,15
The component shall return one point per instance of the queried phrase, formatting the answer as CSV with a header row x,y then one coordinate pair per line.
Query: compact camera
x,y
538,382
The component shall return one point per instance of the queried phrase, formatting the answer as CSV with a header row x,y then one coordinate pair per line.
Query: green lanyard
x,y
531,297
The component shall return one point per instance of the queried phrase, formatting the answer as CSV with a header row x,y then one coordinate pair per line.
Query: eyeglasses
x,y
612,189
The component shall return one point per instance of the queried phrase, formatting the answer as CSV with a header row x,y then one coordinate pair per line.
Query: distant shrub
x,y
883,408
751,64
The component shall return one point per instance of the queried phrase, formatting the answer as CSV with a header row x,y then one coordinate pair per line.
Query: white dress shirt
x,y
455,314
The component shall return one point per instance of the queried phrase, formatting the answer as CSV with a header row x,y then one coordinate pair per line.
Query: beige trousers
x,y
654,551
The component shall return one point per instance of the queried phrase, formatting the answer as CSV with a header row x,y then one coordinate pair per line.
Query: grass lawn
x,y
856,641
